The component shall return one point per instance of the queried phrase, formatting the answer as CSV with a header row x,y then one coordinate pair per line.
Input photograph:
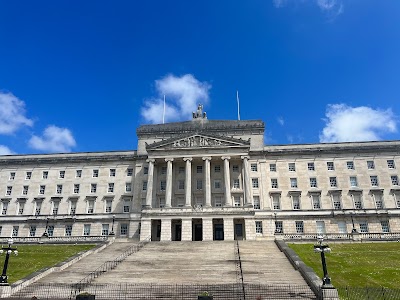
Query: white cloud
x,y
4,150
182,96
281,121
348,124
279,3
12,114
54,139
332,7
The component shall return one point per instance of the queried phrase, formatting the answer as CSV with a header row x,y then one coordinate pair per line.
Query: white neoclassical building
x,y
204,180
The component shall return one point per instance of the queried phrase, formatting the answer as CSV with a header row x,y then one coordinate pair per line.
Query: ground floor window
x,y
385,226
32,230
104,229
50,230
124,229
342,227
259,228
321,227
86,229
15,231
363,227
68,230
278,227
299,227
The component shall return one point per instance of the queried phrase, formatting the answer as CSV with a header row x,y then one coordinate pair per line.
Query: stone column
x,y
168,190
165,230
188,182
263,191
250,229
227,181
228,229
150,183
186,229
207,177
247,184
145,229
208,233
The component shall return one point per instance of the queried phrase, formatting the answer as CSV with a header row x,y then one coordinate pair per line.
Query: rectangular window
x,y
385,226
276,201
254,183
50,230
353,181
28,175
90,206
337,204
163,170
15,231
311,166
357,201
253,167
333,182
68,230
144,186
59,189
199,169
129,172
235,168
363,227
32,230
278,227
180,201
313,182
38,208
78,173
76,188
342,227
350,165
25,189
374,180
128,187
72,210
61,175
4,207
199,184
112,172
236,200
56,204
21,206
86,229
181,184
236,183
296,202
217,169
123,229
256,202
162,202
127,206
299,227
370,165
259,229
293,182
394,179
12,176
390,164
110,187
217,184
181,170
93,188
218,201
316,201
45,174
108,206
95,173
163,185
292,167
330,165
274,183
320,227
9,191
378,200
272,167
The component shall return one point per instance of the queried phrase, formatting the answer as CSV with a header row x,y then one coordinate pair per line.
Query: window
x,y
236,200
259,229
38,208
350,165
163,185
330,165
28,175
162,202
56,204
299,227
353,181
128,187
336,201
76,188
4,207
127,206
199,169
144,186
59,189
112,172
254,183
12,176
253,167
370,165
235,168
394,179
163,170
217,169
292,167
50,230
390,164
68,230
236,183
217,184
181,184
311,166
320,227
357,201
32,230
363,227
378,200
61,175
333,182
15,231
72,210
181,170
274,183
93,188
9,190
256,202
90,206
42,189
25,189
129,172
276,201
374,180
123,229
293,182
218,201
180,201
110,187
272,167
78,173
86,229
95,173
199,184
316,201
1,228
296,202
342,227
108,206
45,174
21,206
278,227
313,182
385,226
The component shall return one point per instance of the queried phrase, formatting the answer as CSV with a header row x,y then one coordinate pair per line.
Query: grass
x,y
356,265
32,258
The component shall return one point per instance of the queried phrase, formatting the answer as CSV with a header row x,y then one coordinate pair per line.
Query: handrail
x,y
239,265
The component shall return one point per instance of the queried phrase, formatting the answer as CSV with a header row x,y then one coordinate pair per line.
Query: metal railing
x,y
239,271
368,293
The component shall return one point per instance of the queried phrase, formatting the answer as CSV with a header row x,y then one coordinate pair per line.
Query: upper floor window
x,y
129,172
276,201
296,202
9,190
333,181
163,185
28,175
337,204
253,167
59,189
274,183
112,172
217,168
391,164
45,174
144,186
394,179
76,188
330,165
12,176
110,187
292,167
78,173
25,190
181,184
93,188
181,170
199,169
95,173
235,168
313,182
254,183
311,166
353,181
199,184
42,189
316,201
163,170
61,175
272,167
236,183
128,187
293,182
370,164
217,184
374,180
350,165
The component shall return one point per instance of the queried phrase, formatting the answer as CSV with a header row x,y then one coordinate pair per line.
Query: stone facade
x,y
204,180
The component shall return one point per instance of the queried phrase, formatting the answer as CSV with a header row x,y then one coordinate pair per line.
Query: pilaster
x,y
187,230
165,229
168,189
228,229
250,226
145,229
207,229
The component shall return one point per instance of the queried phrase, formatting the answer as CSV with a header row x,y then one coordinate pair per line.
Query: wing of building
x,y
204,180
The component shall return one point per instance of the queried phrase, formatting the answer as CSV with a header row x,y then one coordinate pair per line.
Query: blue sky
x,y
83,75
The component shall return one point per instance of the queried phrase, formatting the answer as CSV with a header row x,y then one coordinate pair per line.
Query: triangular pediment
x,y
196,141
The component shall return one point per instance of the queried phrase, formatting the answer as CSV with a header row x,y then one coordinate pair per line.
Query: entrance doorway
x,y
218,229
197,229
176,230
239,229
155,230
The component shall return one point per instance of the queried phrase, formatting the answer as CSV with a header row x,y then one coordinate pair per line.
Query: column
x,y
247,184
208,234
188,182
145,229
263,188
229,234
227,181
150,180
168,192
207,177
186,229
250,227
165,230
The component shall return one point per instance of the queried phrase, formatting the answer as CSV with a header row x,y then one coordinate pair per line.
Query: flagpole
x,y
237,99
163,116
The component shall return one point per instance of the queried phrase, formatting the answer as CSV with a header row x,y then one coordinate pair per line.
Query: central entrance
x,y
218,229
239,229
197,230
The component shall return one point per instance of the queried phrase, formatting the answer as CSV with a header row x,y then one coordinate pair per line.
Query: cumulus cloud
x,y
12,114
332,7
348,124
4,150
281,121
54,139
182,96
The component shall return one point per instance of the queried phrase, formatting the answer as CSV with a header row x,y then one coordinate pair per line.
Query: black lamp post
x,y
45,233
323,249
276,229
8,250
112,226
354,230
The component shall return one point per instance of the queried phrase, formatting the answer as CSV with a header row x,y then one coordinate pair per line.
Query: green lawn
x,y
32,258
357,265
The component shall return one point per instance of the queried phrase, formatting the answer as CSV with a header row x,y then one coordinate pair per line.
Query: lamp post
x,y
323,249
8,250
112,226
354,230
45,233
